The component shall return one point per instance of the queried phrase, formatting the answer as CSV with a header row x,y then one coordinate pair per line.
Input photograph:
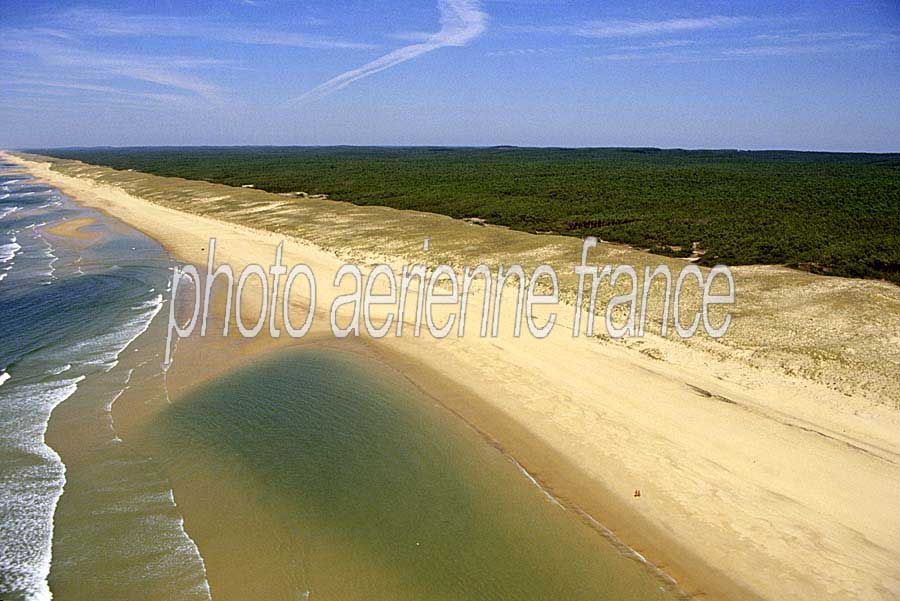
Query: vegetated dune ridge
x,y
722,206
767,461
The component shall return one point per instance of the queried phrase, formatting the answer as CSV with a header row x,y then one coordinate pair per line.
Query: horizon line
x,y
463,147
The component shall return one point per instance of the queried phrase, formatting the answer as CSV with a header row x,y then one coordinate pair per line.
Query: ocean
x,y
313,473
69,310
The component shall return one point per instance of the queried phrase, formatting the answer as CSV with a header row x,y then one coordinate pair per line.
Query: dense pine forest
x,y
830,213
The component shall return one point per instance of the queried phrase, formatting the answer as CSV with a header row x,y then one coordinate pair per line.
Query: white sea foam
x,y
104,350
606,532
112,402
77,264
534,481
32,490
31,494
6,211
155,302
56,202
48,253
191,547
9,250
53,259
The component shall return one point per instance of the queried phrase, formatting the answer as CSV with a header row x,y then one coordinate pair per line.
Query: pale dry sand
x,y
769,463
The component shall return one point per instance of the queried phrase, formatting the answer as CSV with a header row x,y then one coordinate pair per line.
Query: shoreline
x,y
516,444
60,436
474,412
531,429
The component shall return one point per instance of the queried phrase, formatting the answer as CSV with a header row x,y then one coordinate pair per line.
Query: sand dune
x,y
768,462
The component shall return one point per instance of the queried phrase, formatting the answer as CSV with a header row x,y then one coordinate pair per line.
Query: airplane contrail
x,y
461,22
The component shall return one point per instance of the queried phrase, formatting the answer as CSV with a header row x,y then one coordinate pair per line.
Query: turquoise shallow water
x,y
370,491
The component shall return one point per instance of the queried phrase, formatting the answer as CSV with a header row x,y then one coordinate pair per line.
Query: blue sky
x,y
821,75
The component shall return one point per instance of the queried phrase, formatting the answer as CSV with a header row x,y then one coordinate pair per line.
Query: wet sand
x,y
74,228
756,482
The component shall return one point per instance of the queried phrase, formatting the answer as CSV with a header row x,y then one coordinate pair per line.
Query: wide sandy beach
x,y
768,462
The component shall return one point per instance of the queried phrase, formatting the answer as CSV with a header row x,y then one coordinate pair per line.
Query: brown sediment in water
x,y
786,491
74,228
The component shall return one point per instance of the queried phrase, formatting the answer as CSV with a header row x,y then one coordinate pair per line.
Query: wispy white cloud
x,y
461,22
799,49
810,36
762,45
98,22
410,36
67,44
631,50
622,56
525,52
170,72
623,28
49,32
657,45
64,86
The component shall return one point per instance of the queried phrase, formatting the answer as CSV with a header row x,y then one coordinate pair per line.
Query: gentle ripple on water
x,y
69,311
